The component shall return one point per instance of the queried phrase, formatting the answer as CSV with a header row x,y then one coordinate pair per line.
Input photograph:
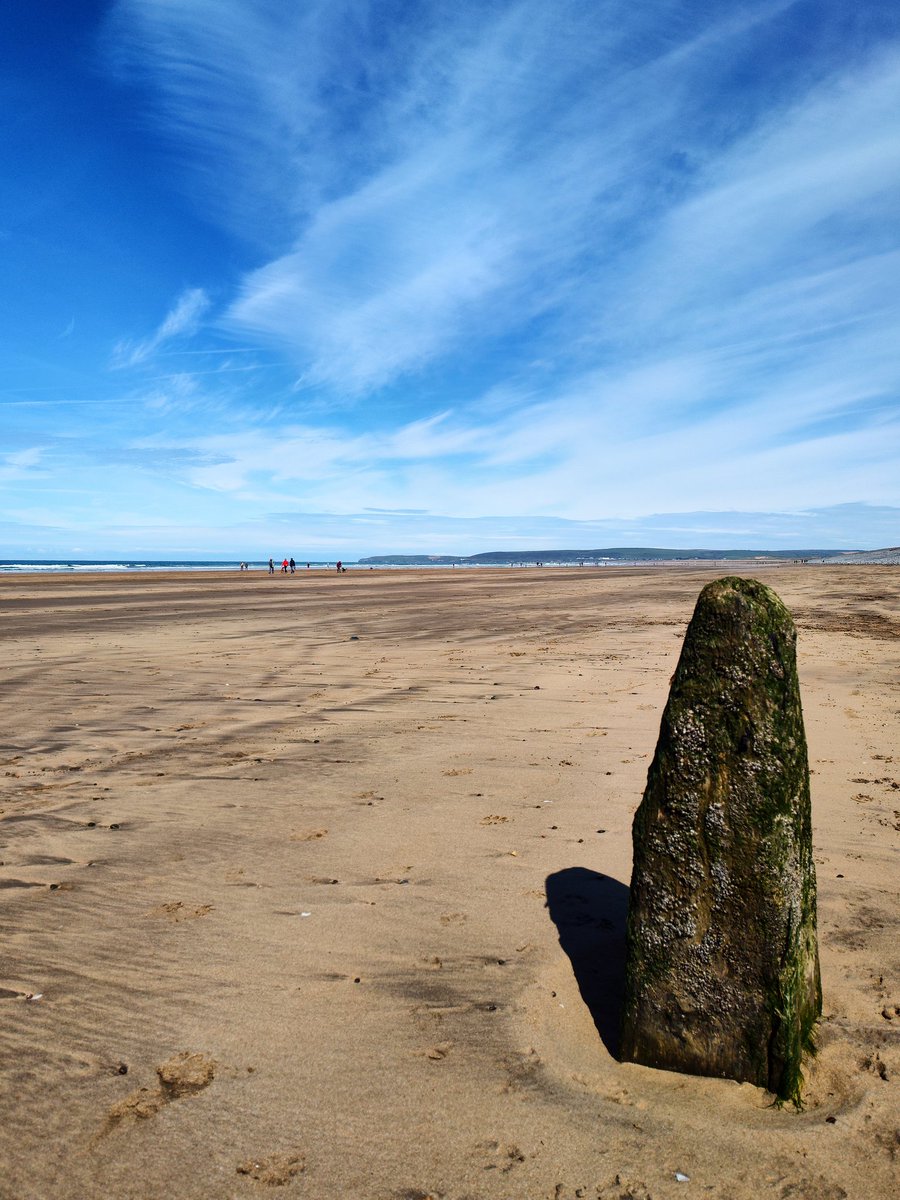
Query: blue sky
x,y
345,277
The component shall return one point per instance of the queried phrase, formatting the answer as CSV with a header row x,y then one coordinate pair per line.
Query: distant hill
x,y
507,558
889,557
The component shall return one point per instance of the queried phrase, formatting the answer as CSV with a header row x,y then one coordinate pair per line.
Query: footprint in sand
x,y
619,1188
494,819
308,835
804,1188
501,1157
875,1064
276,1171
177,910
438,1052
183,1075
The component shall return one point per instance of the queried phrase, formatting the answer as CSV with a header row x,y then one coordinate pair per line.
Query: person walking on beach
x,y
339,566
293,566
284,567
271,567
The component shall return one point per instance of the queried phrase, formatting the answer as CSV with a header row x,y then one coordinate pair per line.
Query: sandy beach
x,y
315,886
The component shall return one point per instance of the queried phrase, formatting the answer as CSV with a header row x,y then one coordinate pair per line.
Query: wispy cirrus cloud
x,y
566,259
19,464
470,177
182,320
599,447
461,179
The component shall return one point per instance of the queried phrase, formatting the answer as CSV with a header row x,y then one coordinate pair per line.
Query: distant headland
x,y
611,554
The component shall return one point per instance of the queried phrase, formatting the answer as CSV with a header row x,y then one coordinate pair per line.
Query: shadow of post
x,y
589,911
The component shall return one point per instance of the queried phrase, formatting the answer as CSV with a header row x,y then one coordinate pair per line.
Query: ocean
x,y
27,566
34,566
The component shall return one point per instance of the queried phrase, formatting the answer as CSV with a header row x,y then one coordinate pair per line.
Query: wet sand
x,y
317,885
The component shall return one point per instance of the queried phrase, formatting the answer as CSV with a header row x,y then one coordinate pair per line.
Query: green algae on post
x,y
722,971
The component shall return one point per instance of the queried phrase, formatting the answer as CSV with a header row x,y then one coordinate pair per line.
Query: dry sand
x,y
311,881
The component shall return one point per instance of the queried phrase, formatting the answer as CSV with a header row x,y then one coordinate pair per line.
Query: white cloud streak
x,y
486,161
674,293
20,464
182,320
